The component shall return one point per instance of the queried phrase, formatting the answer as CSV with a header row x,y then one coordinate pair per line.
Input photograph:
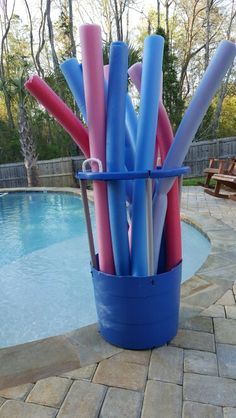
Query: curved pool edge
x,y
54,355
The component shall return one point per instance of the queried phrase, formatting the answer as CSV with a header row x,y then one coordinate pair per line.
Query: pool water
x,y
45,282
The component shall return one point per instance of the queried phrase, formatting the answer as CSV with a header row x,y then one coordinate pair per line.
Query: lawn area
x,y
196,181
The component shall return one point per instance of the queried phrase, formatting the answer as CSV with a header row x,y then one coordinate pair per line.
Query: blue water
x,y
45,282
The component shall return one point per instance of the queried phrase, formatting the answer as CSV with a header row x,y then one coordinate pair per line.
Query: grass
x,y
196,181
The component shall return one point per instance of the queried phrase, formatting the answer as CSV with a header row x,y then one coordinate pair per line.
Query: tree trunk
x,y
51,38
28,147
72,39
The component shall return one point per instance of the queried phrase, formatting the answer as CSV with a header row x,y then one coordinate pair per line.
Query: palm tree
x,y
28,146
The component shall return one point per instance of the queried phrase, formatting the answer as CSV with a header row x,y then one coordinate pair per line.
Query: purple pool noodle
x,y
145,147
188,127
115,155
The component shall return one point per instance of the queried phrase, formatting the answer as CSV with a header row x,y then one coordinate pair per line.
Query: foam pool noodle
x,y
115,155
145,147
91,48
61,112
72,72
188,127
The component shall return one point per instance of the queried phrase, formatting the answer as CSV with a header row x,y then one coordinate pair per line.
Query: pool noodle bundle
x,y
91,48
143,139
115,155
164,138
57,108
145,147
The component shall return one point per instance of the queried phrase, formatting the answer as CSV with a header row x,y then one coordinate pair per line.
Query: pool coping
x,y
55,355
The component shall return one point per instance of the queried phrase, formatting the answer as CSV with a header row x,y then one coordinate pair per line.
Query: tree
x,y
5,28
171,86
28,146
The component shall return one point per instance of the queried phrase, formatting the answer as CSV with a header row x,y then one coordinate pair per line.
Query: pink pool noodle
x,y
91,48
61,112
164,140
172,221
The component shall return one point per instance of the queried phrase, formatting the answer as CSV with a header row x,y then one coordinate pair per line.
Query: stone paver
x,y
225,330
230,312
162,400
121,403
90,345
229,412
167,365
84,399
198,324
199,410
18,409
214,311
209,389
132,356
200,362
38,359
121,374
85,373
195,340
50,391
150,383
227,360
226,299
17,392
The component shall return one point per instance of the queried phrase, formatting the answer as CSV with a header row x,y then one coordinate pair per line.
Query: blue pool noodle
x,y
72,71
145,146
188,127
115,155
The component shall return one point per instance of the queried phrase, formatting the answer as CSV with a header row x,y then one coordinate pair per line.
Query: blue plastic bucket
x,y
138,312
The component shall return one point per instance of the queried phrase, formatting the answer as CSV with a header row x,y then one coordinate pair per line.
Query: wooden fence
x,y
200,152
61,171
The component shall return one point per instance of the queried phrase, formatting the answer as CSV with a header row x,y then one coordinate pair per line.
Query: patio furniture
x,y
216,166
226,181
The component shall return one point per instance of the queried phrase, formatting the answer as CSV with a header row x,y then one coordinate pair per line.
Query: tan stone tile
x,y
197,324
121,374
84,373
209,389
214,311
133,356
84,400
225,330
201,362
226,299
162,400
199,410
50,391
230,312
90,345
121,403
167,365
19,409
229,412
194,340
16,392
36,360
2,400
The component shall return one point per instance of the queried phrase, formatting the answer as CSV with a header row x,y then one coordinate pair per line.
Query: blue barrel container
x,y
138,312
135,312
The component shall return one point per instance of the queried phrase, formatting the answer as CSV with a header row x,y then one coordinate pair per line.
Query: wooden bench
x,y
216,166
226,181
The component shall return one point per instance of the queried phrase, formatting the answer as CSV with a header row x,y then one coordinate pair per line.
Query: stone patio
x,y
79,375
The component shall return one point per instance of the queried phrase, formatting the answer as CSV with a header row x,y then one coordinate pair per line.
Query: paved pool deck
x,y
79,375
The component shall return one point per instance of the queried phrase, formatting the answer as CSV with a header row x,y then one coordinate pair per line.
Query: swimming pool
x,y
45,282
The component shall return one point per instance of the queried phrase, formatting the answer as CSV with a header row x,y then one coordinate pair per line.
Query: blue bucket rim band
x,y
132,175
